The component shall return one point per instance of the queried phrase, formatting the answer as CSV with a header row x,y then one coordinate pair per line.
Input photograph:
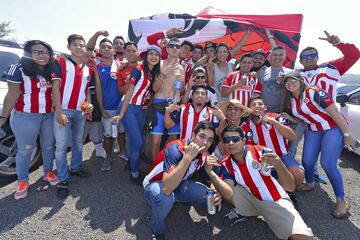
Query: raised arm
x,y
92,41
241,43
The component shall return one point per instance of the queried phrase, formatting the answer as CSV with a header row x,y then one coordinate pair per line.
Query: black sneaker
x,y
233,217
137,180
158,237
62,189
80,173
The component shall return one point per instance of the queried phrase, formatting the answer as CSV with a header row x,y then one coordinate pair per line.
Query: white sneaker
x,y
100,153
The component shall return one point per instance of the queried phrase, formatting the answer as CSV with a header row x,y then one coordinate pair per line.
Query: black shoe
x,y
80,173
62,189
137,180
293,199
127,166
158,237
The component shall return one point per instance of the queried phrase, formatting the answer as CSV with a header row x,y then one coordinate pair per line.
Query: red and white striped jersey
x,y
167,160
189,119
265,188
142,86
325,77
243,93
270,138
35,94
310,108
185,63
75,81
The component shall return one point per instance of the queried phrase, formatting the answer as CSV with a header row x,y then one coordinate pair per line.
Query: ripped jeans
x,y
26,128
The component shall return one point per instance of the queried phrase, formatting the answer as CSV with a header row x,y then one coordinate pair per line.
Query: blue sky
x,y
53,21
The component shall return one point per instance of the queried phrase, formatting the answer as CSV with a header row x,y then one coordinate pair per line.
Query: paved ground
x,y
109,206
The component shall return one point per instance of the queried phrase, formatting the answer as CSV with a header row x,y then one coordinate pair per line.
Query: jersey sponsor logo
x,y
43,85
245,88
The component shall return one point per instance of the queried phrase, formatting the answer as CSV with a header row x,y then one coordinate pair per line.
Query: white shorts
x,y
106,122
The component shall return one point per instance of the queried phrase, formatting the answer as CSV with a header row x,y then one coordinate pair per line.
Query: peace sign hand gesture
x,y
333,39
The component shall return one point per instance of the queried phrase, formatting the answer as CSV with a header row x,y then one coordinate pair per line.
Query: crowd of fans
x,y
205,112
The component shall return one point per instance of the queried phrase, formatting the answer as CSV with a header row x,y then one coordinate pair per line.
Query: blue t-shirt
x,y
111,96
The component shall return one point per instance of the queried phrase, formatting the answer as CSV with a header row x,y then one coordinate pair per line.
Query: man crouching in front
x,y
244,182
168,181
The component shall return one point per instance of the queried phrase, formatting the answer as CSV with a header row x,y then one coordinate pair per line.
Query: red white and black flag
x,y
217,26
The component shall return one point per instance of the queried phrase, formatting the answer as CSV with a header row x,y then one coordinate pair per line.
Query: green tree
x,y
4,29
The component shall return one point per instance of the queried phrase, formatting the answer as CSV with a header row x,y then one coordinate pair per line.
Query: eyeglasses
x,y
290,81
38,53
312,55
177,46
200,77
233,139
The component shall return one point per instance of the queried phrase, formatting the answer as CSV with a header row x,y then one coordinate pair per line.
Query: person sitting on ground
x,y
254,194
169,178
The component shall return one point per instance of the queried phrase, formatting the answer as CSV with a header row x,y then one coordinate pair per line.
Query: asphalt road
x,y
109,206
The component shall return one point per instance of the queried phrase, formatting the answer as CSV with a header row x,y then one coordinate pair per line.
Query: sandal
x,y
339,215
305,188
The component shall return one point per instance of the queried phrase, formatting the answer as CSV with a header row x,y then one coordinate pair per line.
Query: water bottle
x,y
177,87
215,119
114,130
244,79
2,133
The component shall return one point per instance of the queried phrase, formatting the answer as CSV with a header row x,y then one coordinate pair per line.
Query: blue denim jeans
x,y
329,143
72,131
187,192
26,128
133,122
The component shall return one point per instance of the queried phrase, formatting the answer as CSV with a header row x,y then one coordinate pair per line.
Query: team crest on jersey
x,y
252,82
255,164
205,115
113,75
306,100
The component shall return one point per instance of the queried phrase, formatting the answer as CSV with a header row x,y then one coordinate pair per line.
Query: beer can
x,y
210,195
265,167
114,130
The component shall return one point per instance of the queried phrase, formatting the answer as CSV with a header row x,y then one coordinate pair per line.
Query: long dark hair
x,y
156,69
30,67
286,97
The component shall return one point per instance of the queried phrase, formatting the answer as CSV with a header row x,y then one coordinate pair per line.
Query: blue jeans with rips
x,y
187,192
27,127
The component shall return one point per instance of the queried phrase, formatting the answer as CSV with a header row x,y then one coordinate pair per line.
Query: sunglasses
x,y
200,77
233,139
290,81
307,56
177,46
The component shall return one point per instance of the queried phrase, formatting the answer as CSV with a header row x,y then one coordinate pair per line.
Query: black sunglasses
x,y
200,77
177,46
234,139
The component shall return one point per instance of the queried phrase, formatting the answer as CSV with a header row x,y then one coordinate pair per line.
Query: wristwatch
x,y
346,134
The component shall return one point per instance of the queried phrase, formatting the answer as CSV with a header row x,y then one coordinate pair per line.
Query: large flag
x,y
217,26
